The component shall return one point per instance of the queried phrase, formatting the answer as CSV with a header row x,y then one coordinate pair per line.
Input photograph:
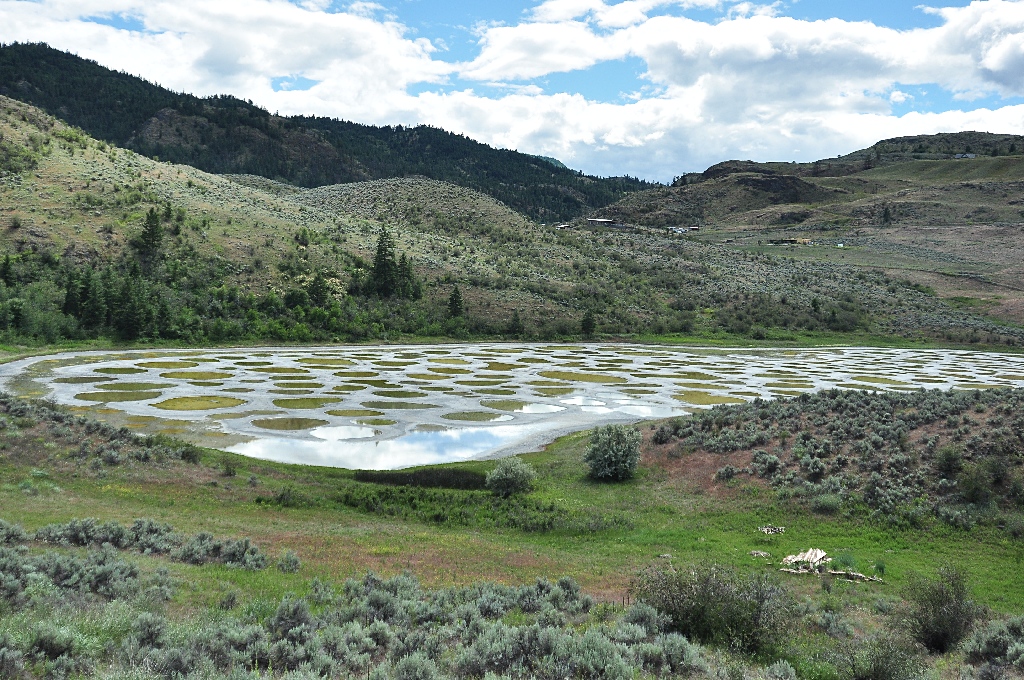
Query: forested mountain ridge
x,y
224,134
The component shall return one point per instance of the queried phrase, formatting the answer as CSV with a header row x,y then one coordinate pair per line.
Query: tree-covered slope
x,y
227,135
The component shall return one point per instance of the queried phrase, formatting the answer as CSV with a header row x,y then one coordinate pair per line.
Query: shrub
x,y
509,477
1000,642
416,666
289,562
614,452
726,473
827,504
883,657
148,630
12,661
941,611
11,533
714,604
780,670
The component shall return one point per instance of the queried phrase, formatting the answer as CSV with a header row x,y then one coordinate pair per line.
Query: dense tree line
x,y
234,136
159,289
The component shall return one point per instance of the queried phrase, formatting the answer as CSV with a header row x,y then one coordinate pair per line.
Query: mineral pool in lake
x,y
392,407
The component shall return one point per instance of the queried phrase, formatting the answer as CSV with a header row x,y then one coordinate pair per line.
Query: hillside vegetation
x,y
906,207
227,135
203,257
128,555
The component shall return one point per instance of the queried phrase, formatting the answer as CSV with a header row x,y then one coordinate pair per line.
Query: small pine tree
x,y
456,307
887,215
516,328
318,290
589,324
152,233
167,214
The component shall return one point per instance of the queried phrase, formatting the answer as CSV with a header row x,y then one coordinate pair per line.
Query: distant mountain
x,y
227,135
924,180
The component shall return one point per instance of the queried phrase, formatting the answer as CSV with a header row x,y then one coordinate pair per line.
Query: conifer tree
x,y
384,275
152,235
456,308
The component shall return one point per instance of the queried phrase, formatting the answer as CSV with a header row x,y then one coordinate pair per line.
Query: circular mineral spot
x,y
348,388
450,362
317,361
205,383
355,413
497,392
195,375
554,391
476,416
253,363
377,422
119,370
300,385
116,396
239,390
288,423
876,380
167,364
291,392
280,370
698,386
199,403
444,370
399,394
134,387
306,402
705,399
82,380
583,377
357,374
399,405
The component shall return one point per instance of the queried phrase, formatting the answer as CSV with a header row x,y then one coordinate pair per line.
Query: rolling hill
x,y
224,134
244,258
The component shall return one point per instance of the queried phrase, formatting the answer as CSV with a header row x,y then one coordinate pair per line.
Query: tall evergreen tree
x,y
152,235
384,275
456,307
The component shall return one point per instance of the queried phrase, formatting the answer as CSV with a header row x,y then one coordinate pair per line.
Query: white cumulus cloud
x,y
751,83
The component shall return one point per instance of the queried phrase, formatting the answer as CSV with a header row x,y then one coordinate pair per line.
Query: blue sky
x,y
650,88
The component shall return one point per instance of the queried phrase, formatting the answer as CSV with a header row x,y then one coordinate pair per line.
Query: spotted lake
x,y
392,407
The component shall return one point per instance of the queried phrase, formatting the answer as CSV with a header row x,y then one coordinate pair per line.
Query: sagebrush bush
x,y
713,603
11,533
614,452
289,562
509,477
940,610
999,642
12,660
780,670
881,657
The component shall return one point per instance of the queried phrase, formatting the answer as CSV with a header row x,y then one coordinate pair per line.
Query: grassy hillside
x,y
165,598
245,258
904,207
227,135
